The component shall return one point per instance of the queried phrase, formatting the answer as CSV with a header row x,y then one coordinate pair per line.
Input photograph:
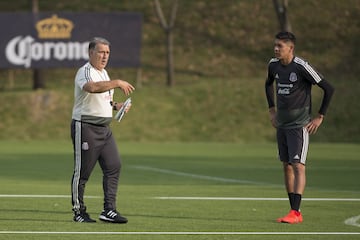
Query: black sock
x,y
297,201
291,199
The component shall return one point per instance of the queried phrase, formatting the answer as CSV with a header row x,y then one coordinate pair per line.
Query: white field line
x,y
39,196
257,199
181,233
204,177
353,221
191,198
198,176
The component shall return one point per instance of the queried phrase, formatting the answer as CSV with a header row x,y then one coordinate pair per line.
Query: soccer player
x,y
292,119
91,136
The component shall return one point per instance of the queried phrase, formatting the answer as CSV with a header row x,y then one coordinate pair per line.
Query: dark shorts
x,y
293,144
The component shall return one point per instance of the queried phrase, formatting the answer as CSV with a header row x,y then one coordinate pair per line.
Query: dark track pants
x,y
94,143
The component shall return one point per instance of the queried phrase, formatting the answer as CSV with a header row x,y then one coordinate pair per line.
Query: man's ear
x,y
292,47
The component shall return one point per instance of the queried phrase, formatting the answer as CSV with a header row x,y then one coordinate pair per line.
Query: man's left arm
x,y
328,89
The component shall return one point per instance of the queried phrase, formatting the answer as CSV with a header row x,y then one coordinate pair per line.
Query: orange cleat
x,y
292,217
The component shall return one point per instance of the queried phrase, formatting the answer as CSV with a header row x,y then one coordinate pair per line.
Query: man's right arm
x,y
269,91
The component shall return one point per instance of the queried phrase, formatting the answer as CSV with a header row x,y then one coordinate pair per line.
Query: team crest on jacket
x,y
293,77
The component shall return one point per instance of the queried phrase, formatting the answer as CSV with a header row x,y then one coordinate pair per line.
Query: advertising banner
x,y
50,40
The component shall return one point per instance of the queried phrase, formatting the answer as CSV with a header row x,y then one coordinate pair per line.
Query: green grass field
x,y
241,179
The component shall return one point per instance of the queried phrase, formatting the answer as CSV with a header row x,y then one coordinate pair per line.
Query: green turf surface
x,y
195,170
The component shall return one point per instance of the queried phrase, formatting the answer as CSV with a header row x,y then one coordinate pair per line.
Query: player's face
x,y
99,56
283,50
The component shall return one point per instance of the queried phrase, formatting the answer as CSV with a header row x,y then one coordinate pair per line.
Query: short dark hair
x,y
97,40
286,36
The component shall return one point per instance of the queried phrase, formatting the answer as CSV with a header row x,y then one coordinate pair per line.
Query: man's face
x,y
283,49
99,56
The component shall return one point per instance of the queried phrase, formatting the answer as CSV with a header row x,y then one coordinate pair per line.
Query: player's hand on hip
x,y
126,87
314,124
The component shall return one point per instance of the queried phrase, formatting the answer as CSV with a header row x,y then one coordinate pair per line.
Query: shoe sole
x,y
105,219
84,221
289,222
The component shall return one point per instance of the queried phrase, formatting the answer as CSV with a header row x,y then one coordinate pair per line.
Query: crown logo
x,y
54,27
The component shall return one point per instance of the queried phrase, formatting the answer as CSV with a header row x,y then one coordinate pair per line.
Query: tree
x,y
38,75
168,28
281,7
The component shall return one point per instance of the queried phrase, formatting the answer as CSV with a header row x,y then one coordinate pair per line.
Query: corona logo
x,y
22,51
54,27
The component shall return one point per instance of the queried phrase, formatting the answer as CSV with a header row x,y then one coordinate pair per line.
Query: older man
x,y
91,136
